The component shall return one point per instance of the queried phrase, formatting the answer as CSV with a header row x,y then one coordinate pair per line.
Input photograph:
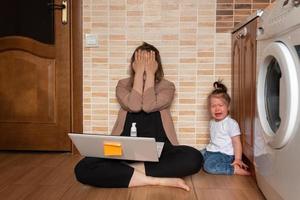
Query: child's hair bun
x,y
218,85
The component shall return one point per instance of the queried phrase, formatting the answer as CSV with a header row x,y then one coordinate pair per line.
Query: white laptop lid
x,y
133,148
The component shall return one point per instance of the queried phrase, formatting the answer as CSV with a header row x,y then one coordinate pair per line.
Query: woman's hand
x,y
151,65
139,63
139,68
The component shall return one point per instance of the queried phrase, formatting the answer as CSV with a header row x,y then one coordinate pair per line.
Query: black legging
x,y
175,161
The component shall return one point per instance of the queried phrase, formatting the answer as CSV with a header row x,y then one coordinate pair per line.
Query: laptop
x,y
117,147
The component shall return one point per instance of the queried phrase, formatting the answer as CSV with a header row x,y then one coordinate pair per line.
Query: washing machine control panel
x,y
279,18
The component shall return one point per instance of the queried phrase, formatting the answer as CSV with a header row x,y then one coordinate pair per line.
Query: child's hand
x,y
240,163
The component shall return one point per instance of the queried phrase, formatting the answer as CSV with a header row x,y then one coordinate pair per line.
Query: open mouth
x,y
218,114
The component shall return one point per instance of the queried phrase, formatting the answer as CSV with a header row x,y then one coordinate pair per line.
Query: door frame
x,y
76,68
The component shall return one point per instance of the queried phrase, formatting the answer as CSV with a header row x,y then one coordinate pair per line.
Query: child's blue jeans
x,y
217,162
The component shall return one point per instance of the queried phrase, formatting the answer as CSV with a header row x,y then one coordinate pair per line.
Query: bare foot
x,y
140,179
240,171
173,182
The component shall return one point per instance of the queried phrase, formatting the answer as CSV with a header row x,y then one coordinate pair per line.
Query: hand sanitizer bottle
x,y
133,132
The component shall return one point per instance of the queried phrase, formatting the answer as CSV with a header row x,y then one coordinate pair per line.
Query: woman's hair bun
x,y
218,85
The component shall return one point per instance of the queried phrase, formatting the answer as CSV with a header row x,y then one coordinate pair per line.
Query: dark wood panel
x,y
26,44
244,83
236,63
249,66
27,88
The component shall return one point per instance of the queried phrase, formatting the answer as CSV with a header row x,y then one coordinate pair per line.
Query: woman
x,y
145,99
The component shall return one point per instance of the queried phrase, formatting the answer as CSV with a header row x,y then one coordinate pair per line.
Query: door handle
x,y
64,14
64,10
244,32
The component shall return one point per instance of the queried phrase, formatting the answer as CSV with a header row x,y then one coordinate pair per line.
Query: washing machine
x,y
277,119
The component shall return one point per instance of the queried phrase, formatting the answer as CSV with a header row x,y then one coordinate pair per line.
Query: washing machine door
x,y
277,94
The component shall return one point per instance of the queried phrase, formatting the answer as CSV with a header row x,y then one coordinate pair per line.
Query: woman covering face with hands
x,y
145,99
144,67
145,61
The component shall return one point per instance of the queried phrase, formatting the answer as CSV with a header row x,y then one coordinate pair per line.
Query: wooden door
x,y
35,79
249,85
236,71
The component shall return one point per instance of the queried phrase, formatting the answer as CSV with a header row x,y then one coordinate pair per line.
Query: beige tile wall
x,y
193,57
231,12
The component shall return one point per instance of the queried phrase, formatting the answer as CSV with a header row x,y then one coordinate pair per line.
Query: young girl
x,y
223,154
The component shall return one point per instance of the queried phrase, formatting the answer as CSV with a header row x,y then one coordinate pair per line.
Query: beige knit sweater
x,y
157,98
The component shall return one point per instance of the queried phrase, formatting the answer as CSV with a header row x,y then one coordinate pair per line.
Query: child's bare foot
x,y
173,182
240,171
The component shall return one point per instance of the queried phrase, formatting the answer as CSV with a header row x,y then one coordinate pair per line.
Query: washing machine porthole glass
x,y
297,47
272,86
